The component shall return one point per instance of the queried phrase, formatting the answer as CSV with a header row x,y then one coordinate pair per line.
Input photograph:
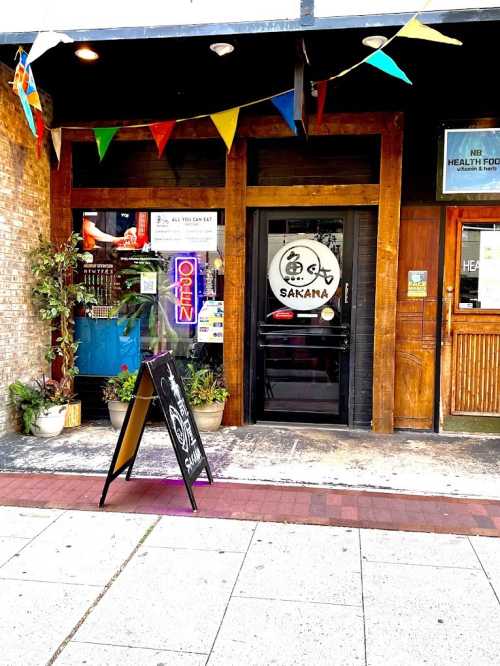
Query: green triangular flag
x,y
103,137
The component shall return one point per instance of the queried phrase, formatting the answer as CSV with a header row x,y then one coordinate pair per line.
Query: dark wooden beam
x,y
60,195
148,197
312,195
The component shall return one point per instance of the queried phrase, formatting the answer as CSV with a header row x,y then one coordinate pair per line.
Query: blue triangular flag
x,y
27,109
382,61
284,104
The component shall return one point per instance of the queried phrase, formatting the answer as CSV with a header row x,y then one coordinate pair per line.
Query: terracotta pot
x,y
50,422
73,415
117,411
209,417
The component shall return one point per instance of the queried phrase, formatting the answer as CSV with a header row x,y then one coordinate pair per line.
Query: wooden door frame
x,y
451,278
236,197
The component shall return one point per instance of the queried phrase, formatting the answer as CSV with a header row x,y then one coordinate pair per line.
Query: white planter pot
x,y
50,423
209,417
117,411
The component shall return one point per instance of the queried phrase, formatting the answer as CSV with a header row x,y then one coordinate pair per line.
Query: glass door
x,y
303,316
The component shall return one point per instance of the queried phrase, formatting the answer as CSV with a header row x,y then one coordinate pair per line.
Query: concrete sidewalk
x,y
422,463
98,588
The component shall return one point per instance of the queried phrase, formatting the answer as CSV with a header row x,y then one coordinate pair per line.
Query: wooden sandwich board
x,y
158,378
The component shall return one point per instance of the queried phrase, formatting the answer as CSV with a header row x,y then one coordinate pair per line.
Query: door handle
x,y
449,312
346,293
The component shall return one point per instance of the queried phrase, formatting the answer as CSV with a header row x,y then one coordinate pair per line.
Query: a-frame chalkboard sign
x,y
158,378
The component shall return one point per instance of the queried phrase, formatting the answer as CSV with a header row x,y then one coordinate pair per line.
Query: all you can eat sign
x,y
471,161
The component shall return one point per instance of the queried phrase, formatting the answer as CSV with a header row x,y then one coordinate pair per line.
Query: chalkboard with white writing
x,y
159,379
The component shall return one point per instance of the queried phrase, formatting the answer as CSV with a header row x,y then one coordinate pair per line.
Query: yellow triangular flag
x,y
226,122
417,30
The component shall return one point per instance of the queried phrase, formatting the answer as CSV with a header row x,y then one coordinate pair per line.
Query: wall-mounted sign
x,y
471,161
184,231
211,322
304,274
186,290
417,284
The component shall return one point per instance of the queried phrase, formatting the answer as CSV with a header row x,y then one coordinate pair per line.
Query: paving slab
x,y
488,551
418,615
76,654
36,617
416,462
165,599
302,563
285,633
446,550
10,546
25,523
202,534
81,547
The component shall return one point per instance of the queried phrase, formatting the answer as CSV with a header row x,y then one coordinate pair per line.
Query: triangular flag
x,y
56,135
284,104
226,122
382,61
103,137
45,41
417,30
321,87
26,108
161,134
23,76
40,131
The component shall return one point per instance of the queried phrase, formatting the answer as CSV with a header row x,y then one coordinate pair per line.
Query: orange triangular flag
x,y
321,87
161,133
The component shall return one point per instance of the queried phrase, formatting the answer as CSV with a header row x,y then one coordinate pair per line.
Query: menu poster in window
x,y
184,231
211,322
489,270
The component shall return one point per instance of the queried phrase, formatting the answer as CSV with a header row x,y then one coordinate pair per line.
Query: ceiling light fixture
x,y
86,53
222,48
375,41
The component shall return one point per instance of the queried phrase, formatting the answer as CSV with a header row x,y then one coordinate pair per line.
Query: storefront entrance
x,y
303,316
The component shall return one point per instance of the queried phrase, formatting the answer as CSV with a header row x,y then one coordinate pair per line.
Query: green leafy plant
x,y
204,386
120,387
56,292
153,308
31,400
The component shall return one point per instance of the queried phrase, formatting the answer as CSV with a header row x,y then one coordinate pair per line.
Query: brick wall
x,y
24,212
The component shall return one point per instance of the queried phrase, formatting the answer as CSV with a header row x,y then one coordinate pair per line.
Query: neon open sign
x,y
186,291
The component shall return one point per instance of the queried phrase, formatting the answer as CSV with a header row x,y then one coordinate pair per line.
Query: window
x,y
480,266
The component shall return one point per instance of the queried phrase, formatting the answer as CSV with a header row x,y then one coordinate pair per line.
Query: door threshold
x,y
310,426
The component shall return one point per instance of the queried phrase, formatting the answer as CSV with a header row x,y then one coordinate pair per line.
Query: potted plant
x,y
207,396
42,405
118,392
57,292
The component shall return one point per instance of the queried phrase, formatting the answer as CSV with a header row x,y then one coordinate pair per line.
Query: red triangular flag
x,y
40,131
161,133
321,87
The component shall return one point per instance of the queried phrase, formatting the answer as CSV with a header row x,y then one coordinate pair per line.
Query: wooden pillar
x,y
384,344
61,219
234,280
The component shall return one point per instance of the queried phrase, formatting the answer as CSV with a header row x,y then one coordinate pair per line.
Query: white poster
x,y
184,231
489,270
211,322
148,282
304,274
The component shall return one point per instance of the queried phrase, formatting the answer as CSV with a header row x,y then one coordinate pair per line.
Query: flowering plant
x,y
120,387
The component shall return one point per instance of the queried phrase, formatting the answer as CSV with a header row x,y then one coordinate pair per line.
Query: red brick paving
x,y
316,506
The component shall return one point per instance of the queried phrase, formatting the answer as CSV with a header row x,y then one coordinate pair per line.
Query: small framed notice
x,y
417,284
184,231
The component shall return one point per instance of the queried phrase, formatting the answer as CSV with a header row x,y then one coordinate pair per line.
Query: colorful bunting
x,y
103,137
414,29
161,134
26,108
321,87
226,123
284,104
382,61
23,77
45,41
40,131
56,135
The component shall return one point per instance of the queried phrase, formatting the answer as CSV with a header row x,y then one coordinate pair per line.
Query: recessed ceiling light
x,y
375,41
86,53
222,48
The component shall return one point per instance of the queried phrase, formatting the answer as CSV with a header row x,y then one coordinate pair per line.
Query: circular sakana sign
x,y
304,274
